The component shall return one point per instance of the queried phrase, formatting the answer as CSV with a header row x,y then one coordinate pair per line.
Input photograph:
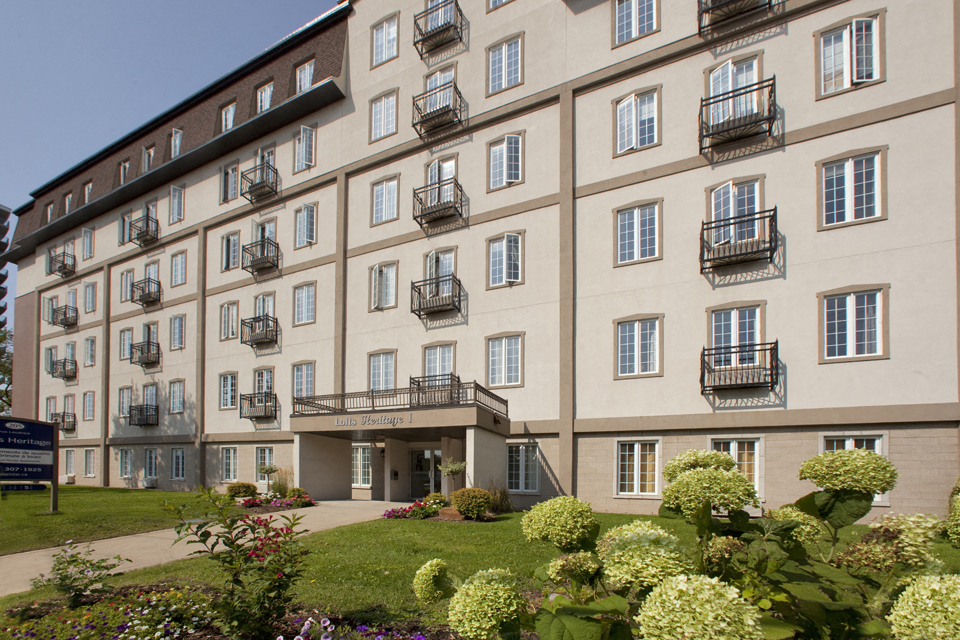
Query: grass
x,y
86,513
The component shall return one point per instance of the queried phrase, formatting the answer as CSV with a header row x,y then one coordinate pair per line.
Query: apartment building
x,y
561,241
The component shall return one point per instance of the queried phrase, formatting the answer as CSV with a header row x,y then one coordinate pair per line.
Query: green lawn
x,y
87,513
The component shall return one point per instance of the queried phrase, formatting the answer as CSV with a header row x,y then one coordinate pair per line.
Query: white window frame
x,y
737,445
851,321
265,97
69,462
176,139
262,456
229,319
67,203
383,286
51,408
89,463
506,162
124,172
627,25
620,486
146,159
303,380
89,405
525,454
850,189
637,228
89,351
229,183
383,116
86,243
505,65
385,200
304,76
633,111
176,203
150,463
230,251
632,349
176,396
228,464
126,463
177,332
227,114
87,192
361,467
228,391
304,306
178,269
126,342
177,463
505,259
740,321
384,41
505,369
854,71
382,367
126,222
89,297
125,396
305,143
306,225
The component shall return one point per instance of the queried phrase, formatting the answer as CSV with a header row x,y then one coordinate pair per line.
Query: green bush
x,y
641,555
296,493
432,584
500,499
697,607
726,490
242,490
566,522
485,603
953,522
928,609
438,499
576,567
809,531
471,502
855,470
697,459
76,575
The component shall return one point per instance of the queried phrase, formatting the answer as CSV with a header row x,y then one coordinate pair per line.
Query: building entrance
x,y
424,472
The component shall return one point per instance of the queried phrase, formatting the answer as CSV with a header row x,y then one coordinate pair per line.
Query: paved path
x,y
156,547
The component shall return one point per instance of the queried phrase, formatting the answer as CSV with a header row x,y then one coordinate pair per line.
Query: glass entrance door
x,y
424,472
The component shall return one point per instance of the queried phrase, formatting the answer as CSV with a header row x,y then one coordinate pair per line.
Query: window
x,y
854,323
69,464
51,408
638,347
150,394
126,286
638,237
361,470
228,464
263,305
150,463
176,204
87,192
176,464
383,286
89,405
70,351
263,381
504,361
228,187
304,149
382,371
523,468
126,220
176,396
732,200
383,116
385,200
126,339
851,189
636,468
67,202
304,77
870,443
736,330
226,117
126,394
264,457
48,213
438,360
89,351
126,463
89,297
728,77
303,380
745,453
504,65
303,302
493,4
146,162
178,269
849,55
504,259
231,251
152,271
228,321
89,463
68,405
439,266
177,324
124,171
634,18
636,121
385,41
506,161
265,96
86,243
176,137
228,391
306,225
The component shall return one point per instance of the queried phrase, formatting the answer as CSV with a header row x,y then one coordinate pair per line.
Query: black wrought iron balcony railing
x,y
415,396
145,353
258,405
741,113
145,230
715,13
739,239
438,108
65,421
65,369
261,255
436,390
63,264
437,201
259,330
436,295
740,367
144,415
260,183
65,316
145,292
438,26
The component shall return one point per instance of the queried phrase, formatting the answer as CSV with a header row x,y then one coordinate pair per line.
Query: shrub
x,y
928,609
953,521
282,480
471,502
719,550
856,470
250,503
500,499
726,490
576,567
697,607
437,497
299,497
75,574
242,490
487,601
566,522
422,510
697,459
432,584
641,555
809,531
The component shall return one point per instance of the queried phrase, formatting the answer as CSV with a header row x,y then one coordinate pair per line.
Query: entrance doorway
x,y
424,472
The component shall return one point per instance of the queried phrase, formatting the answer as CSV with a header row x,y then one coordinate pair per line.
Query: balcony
x,y
145,230
260,183
741,367
65,369
144,415
437,27
438,390
741,113
63,264
65,316
715,13
261,255
145,354
436,295
739,239
258,405
438,108
65,421
446,391
259,330
145,292
437,201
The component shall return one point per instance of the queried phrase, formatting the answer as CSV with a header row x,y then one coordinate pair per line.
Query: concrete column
x,y
486,458
322,465
451,448
396,471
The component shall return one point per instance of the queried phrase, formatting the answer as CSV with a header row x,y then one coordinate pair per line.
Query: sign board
x,y
27,450
23,487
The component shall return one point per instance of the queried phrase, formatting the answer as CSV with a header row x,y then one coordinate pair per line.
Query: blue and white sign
x,y
26,450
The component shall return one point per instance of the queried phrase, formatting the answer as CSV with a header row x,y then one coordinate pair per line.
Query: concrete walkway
x,y
156,547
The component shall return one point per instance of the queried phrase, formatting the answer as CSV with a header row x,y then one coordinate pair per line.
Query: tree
x,y
6,371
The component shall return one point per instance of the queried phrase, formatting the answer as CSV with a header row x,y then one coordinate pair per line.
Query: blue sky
x,y
77,75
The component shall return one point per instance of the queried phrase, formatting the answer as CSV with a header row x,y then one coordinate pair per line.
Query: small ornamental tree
x,y
726,490
697,459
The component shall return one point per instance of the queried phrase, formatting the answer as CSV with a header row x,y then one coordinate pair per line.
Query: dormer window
x,y
226,117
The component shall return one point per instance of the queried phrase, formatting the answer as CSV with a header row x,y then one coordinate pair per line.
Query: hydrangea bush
x,y
856,470
953,522
578,567
699,607
726,490
641,555
912,536
431,583
928,609
809,531
487,601
566,522
697,459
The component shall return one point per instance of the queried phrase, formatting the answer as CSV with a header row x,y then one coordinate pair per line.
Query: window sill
x,y
640,496
821,226
524,493
634,376
505,285
877,356
383,137
305,323
617,45
490,94
504,186
505,386
637,150
840,92
638,261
